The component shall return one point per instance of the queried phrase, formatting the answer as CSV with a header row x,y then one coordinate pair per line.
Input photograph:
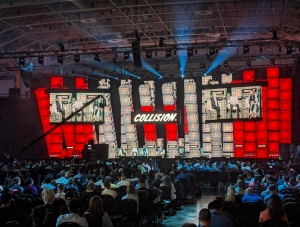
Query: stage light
x,y
168,53
212,52
249,63
41,60
289,50
182,76
202,66
62,47
274,35
204,74
190,52
97,58
246,50
161,42
126,56
22,60
77,58
156,67
225,64
149,54
60,59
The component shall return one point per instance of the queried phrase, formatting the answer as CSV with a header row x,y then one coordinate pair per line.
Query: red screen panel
x,y
261,125
249,76
57,82
273,115
261,135
272,72
147,108
82,83
285,125
169,108
239,145
274,136
286,136
285,106
171,127
273,82
150,128
273,93
238,126
274,146
172,136
262,145
285,84
286,116
250,136
239,153
238,136
273,104
249,126
285,96
273,125
250,147
262,153
150,137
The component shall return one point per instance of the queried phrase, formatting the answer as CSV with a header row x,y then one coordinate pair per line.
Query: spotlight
x,y
190,52
204,74
289,50
22,60
225,64
77,58
156,67
212,52
41,60
168,53
97,58
202,66
161,42
62,47
249,63
126,56
149,54
274,36
60,59
246,50
182,76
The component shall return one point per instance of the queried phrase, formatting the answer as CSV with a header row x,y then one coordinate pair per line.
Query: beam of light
x,y
115,68
150,69
182,56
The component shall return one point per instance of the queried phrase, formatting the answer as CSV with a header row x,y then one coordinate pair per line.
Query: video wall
x,y
64,104
233,103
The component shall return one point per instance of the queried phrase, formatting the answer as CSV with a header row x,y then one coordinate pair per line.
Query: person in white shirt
x,y
131,195
77,105
61,179
60,194
233,101
123,181
73,216
108,190
134,151
167,182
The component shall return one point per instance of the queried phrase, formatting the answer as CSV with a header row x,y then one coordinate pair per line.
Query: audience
x,y
29,186
90,190
123,181
217,218
73,216
61,178
108,190
131,195
251,197
167,182
239,189
204,218
48,197
230,196
95,214
60,194
6,213
157,182
39,215
275,209
71,185
47,184
286,184
273,191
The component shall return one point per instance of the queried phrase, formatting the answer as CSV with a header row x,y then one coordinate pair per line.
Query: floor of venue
x,y
190,212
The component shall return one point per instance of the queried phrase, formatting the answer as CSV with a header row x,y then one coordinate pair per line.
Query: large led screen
x,y
63,105
232,103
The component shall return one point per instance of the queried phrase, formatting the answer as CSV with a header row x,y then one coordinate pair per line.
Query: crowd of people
x,y
52,193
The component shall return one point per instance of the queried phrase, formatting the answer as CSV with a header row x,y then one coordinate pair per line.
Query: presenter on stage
x,y
134,151
77,105
145,151
60,107
215,103
253,107
233,101
96,110
123,151
160,150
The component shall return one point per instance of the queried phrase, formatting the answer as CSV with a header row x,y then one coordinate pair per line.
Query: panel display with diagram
x,y
63,105
232,103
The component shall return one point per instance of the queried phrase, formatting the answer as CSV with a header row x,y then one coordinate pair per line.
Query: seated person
x,y
131,195
108,190
253,103
71,185
6,213
16,185
48,197
39,215
134,151
275,209
60,194
47,184
204,217
167,182
90,190
233,101
73,216
157,181
218,219
273,191
123,181
286,184
61,178
215,103
29,186
251,197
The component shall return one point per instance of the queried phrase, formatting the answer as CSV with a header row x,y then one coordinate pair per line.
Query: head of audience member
x,y
189,225
230,195
8,182
58,175
90,186
48,196
214,206
71,180
130,189
204,217
48,180
287,179
249,191
69,196
240,184
39,215
149,183
29,181
157,176
17,180
61,188
172,175
74,206
107,184
123,176
95,205
298,178
142,182
89,177
275,206
167,181
272,188
5,199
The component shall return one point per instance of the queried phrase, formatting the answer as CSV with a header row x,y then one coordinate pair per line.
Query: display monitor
x,y
230,103
63,104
